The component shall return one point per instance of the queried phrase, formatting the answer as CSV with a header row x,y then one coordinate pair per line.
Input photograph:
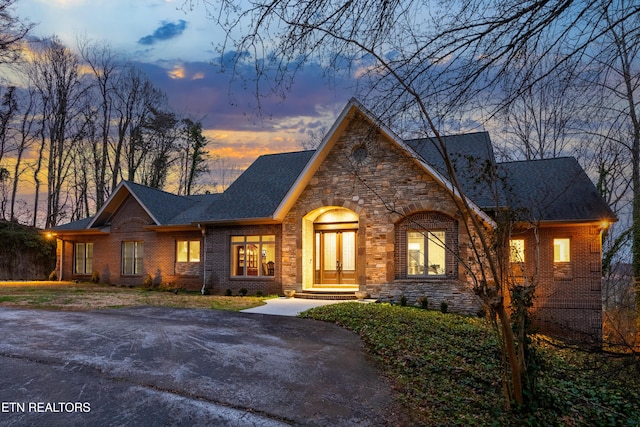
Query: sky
x,y
176,48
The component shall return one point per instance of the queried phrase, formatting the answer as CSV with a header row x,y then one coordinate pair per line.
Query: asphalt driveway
x,y
162,366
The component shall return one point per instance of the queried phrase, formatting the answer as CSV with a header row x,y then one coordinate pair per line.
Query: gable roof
x,y
163,208
160,205
556,189
329,141
471,156
541,190
259,190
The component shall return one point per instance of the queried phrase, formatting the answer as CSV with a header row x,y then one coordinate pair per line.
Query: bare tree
x,y
105,67
12,32
55,74
223,173
26,136
411,55
8,109
543,121
138,99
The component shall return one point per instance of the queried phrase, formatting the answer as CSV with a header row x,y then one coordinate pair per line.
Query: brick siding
x,y
218,261
568,298
159,261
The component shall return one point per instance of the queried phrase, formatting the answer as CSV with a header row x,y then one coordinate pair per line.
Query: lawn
x,y
88,296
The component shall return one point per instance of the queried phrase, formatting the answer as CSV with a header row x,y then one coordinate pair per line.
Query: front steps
x,y
331,295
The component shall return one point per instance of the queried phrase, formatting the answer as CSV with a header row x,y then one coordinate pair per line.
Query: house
x,y
366,211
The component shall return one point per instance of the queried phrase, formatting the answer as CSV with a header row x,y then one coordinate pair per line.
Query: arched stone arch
x,y
425,222
339,225
425,205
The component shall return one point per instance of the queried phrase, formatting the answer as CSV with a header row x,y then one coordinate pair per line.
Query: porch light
x,y
604,225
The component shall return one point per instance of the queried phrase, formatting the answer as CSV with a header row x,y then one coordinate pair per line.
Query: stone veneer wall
x,y
382,189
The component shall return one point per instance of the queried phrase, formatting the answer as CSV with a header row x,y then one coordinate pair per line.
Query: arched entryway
x,y
330,239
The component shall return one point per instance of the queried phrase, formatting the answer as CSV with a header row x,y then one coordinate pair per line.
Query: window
x,y
188,251
132,255
83,258
516,253
561,250
426,253
253,256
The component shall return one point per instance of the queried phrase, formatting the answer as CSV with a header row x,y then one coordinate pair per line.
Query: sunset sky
x,y
176,48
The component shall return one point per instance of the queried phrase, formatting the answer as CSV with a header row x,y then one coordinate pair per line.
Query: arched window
x,y
426,247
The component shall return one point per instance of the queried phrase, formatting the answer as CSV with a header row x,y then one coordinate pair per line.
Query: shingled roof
x,y
542,190
259,190
472,158
555,189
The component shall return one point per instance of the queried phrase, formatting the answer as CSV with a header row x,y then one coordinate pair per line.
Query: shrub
x,y
259,294
95,277
148,281
53,276
424,302
228,292
444,307
243,291
403,301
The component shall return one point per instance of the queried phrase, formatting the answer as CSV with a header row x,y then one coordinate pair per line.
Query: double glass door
x,y
335,257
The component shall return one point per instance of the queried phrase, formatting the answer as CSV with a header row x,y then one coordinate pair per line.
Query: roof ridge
x,y
538,160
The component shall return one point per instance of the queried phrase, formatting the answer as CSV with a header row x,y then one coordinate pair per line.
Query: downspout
x,y
203,230
61,259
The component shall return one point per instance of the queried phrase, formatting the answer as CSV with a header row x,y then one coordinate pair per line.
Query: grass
x,y
88,296
445,370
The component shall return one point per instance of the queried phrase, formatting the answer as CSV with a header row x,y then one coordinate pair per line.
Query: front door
x,y
335,257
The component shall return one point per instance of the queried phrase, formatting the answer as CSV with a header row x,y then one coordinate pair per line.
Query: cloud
x,y
166,31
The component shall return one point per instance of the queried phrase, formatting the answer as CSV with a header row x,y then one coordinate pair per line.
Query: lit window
x,y
425,253
561,250
516,253
253,256
132,256
83,258
188,251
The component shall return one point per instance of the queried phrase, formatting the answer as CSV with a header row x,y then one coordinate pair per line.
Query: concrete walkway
x,y
289,306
